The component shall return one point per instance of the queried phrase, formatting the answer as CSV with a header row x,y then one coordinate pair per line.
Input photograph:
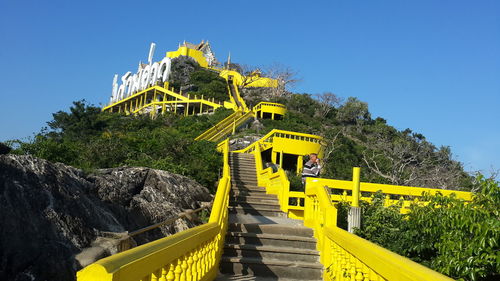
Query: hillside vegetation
x,y
89,139
355,139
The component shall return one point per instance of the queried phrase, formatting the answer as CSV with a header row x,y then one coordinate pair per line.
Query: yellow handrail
x,y
219,126
193,254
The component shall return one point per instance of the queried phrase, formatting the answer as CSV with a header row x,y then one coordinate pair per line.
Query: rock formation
x,y
50,212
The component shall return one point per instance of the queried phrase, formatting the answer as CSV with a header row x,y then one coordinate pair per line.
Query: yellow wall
x,y
185,51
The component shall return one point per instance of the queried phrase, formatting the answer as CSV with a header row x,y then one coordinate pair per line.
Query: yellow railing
x,y
405,195
193,254
226,126
346,256
219,126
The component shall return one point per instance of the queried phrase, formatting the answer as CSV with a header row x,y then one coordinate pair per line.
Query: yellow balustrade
x,y
346,256
193,254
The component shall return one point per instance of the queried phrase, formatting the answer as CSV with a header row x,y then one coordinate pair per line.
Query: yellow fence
x,y
161,99
193,254
405,195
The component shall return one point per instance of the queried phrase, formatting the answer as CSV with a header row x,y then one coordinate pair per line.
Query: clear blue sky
x,y
432,66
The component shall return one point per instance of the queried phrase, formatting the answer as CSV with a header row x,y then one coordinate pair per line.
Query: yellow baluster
x,y
189,271
184,267
359,270
387,201
200,263
178,270
194,269
163,275
170,275
366,273
352,267
156,275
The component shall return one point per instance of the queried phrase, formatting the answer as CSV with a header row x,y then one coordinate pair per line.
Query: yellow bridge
x,y
255,217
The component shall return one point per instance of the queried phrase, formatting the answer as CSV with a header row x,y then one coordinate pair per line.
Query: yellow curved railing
x,y
267,140
269,107
193,254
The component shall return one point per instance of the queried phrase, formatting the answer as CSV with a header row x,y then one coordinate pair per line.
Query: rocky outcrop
x,y
50,212
243,142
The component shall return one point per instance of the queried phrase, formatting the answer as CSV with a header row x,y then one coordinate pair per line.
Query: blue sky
x,y
432,66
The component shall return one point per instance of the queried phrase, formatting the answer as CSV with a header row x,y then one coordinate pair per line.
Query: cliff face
x,y
50,212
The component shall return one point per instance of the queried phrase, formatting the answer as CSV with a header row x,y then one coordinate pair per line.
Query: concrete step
x,y
256,211
244,178
248,193
277,229
242,158
244,181
271,252
265,239
240,164
246,173
252,196
271,268
248,187
256,200
259,205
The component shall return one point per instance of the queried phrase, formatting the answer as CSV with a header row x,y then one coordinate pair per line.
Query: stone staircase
x,y
261,242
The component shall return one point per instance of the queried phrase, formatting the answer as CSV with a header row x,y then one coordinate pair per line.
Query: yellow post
x,y
354,216
281,159
355,186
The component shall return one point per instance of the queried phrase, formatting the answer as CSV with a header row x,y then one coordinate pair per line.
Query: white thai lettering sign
x,y
146,76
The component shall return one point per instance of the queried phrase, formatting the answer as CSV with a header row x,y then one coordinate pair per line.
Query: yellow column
x,y
300,163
